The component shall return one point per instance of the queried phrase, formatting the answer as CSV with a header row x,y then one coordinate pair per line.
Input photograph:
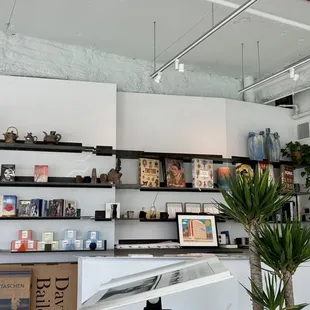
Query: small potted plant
x,y
293,150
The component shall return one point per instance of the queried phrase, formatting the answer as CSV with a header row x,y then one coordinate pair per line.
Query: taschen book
x,y
175,176
202,173
149,172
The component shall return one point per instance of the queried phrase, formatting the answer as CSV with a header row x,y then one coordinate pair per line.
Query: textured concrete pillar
x,y
250,94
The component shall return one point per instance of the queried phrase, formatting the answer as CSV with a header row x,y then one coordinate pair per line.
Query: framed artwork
x,y
210,208
195,230
173,208
192,207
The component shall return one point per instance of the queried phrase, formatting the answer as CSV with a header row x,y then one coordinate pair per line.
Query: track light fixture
x,y
181,68
158,77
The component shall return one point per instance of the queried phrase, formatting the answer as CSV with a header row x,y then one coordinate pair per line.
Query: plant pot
x,y
296,155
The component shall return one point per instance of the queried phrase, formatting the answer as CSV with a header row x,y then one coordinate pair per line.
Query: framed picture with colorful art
x,y
195,230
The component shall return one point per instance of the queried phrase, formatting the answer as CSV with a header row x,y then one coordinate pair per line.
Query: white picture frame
x,y
192,207
210,208
173,208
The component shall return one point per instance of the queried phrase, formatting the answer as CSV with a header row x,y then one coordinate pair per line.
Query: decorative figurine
x,y
104,178
10,136
87,179
30,138
93,246
142,214
114,175
52,138
114,210
78,179
94,176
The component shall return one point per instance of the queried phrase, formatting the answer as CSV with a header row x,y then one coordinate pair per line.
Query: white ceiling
x,y
125,27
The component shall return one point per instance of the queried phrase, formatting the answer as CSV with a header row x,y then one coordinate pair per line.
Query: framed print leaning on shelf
x,y
173,208
195,230
192,207
210,208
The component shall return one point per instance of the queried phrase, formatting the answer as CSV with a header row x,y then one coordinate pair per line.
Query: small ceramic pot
x,y
130,214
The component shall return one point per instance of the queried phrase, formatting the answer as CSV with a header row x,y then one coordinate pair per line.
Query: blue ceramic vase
x,y
256,146
272,146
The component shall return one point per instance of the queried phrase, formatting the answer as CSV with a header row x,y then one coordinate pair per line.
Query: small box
x,y
70,234
93,235
55,246
66,245
47,247
16,245
78,244
40,246
48,237
25,234
9,205
32,245
101,244
222,239
87,243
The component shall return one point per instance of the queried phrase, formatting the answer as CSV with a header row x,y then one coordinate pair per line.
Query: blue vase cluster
x,y
264,146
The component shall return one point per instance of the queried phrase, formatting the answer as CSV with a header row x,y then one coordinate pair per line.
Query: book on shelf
x,y
202,173
36,207
7,173
174,175
287,178
56,208
70,209
263,166
40,173
8,205
149,172
24,208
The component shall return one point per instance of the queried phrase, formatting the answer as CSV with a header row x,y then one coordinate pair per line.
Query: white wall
x,y
81,112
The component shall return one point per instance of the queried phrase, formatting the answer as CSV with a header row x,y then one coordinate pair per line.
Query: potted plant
x,y
251,200
293,150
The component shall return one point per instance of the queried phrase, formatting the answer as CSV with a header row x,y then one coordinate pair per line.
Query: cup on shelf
x,y
130,214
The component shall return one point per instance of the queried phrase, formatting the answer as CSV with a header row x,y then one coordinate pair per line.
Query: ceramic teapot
x,y
11,136
30,138
53,137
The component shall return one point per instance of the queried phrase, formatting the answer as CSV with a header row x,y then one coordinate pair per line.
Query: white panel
x,y
243,117
171,123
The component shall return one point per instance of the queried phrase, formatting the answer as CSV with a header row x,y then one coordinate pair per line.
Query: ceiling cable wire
x,y
8,24
154,51
258,59
242,65
188,31
212,14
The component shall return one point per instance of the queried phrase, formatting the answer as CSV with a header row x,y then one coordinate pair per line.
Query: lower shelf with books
x,y
59,251
5,218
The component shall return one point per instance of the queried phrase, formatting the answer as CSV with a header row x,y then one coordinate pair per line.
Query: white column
x,y
249,95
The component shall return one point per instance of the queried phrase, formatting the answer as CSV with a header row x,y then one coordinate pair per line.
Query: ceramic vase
x,y
256,145
223,173
272,146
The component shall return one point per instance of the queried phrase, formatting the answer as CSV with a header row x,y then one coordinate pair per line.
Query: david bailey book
x,y
40,173
7,173
202,173
175,176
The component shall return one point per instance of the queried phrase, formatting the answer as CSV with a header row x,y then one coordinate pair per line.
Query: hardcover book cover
x,y
202,173
263,166
56,208
175,176
287,177
70,209
36,207
40,173
24,208
149,172
9,205
7,173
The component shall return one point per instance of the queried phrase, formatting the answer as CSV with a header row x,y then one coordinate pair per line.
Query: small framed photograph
x,y
113,210
210,208
173,208
195,230
192,207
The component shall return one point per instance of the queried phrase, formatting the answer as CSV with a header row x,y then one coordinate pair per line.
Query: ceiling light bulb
x,y
158,77
296,77
176,64
181,67
292,73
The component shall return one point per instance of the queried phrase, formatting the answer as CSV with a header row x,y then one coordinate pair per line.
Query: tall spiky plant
x,y
284,247
251,200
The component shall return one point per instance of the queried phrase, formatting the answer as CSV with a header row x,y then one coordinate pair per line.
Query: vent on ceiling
x,y
303,131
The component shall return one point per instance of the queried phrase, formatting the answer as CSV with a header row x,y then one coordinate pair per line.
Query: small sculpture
x,y
94,176
114,210
52,138
104,178
79,179
114,175
10,136
30,138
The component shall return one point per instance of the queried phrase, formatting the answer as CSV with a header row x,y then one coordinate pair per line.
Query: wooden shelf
x,y
38,218
179,189
158,220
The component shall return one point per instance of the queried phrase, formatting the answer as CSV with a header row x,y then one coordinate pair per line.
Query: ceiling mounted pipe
x,y
218,26
272,17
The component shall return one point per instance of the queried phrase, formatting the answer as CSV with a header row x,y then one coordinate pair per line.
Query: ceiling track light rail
x,y
218,26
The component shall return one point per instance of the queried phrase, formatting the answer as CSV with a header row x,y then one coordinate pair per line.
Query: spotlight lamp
x,y
176,64
158,77
181,68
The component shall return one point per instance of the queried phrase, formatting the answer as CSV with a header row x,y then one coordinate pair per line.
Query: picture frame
x,y
173,208
197,230
210,208
192,207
